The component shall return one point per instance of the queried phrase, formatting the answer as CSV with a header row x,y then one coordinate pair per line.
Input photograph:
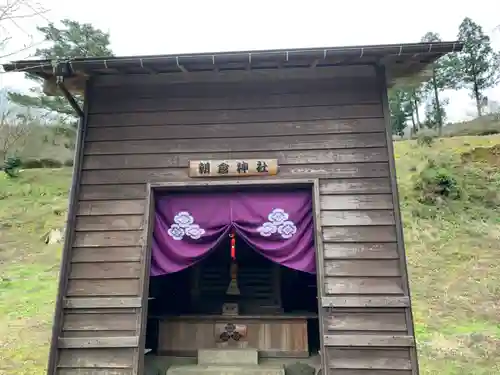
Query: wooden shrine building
x,y
235,209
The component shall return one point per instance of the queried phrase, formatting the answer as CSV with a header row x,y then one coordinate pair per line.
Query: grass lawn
x,y
29,207
452,254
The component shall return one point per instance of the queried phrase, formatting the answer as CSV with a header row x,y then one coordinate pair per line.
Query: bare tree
x,y
15,17
14,131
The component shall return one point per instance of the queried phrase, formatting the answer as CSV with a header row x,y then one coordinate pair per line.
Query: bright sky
x,y
164,27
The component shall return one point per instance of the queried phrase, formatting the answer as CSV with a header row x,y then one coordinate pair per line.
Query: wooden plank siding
x,y
332,129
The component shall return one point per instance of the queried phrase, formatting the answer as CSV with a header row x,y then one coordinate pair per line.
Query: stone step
x,y
226,370
228,357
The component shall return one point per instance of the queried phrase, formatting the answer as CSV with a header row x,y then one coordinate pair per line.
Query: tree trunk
x,y
437,105
477,96
415,103
414,129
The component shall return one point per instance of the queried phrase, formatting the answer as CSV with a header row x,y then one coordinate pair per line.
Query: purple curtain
x,y
278,225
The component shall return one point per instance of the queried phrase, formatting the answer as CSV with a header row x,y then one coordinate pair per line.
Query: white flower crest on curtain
x,y
278,223
184,226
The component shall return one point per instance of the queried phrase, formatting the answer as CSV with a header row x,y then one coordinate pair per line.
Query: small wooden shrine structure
x,y
155,127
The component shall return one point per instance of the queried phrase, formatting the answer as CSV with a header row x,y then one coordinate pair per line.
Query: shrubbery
x,y
437,182
12,165
458,184
45,163
425,139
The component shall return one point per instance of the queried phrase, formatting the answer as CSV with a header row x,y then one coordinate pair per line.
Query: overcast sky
x,y
157,27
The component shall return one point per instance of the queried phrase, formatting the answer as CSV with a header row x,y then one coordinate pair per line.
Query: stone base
x,y
228,357
227,362
226,370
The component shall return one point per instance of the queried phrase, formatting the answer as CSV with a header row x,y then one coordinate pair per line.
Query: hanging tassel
x,y
233,289
233,247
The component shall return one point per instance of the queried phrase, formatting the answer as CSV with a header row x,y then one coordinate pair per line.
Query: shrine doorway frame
x,y
224,185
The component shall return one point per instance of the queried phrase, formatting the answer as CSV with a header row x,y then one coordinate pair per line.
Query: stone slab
x,y
226,370
228,357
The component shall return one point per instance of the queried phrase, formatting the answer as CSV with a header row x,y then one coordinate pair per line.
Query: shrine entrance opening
x,y
234,269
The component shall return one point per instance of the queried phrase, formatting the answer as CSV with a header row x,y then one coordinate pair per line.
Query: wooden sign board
x,y
233,168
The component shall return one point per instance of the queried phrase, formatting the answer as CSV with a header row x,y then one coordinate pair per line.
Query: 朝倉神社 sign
x,y
233,168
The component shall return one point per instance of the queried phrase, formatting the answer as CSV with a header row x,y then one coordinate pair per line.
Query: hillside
x,y
452,230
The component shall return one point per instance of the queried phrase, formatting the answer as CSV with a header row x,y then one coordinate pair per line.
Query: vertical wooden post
x,y
147,232
382,87
68,234
320,268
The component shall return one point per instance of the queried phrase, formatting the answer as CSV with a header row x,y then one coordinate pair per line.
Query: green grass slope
x,y
452,251
485,125
29,207
452,246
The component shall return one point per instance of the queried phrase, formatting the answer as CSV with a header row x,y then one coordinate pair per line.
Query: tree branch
x,y
13,11
12,131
